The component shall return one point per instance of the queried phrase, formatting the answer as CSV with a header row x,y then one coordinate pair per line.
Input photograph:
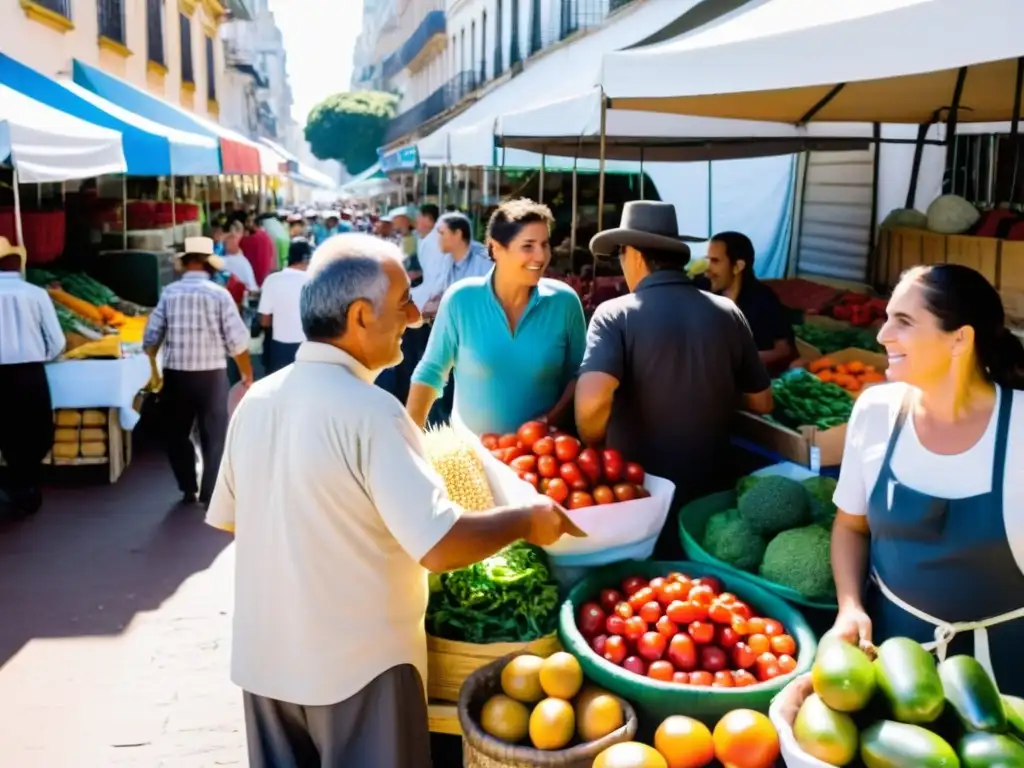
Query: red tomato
x,y
590,464
615,625
557,489
759,644
671,593
650,611
612,465
545,446
624,492
681,612
667,627
514,452
590,620
741,678
786,664
702,594
713,658
723,679
719,613
635,629
727,637
530,477
768,672
657,583
603,494
773,627
636,665
641,492
740,624
641,597
634,473
676,576
624,609
682,678
661,670
489,441
739,608
701,677
499,454
756,624
531,432
682,652
701,632
651,646
570,473
527,463
766,661
783,644
542,484
598,644
632,584
582,485
710,581
547,466
580,499
508,441
615,649
566,448
743,657
727,597
609,598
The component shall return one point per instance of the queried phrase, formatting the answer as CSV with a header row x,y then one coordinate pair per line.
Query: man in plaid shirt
x,y
197,324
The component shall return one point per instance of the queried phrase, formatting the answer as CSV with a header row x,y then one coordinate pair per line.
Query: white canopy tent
x,y
798,61
45,145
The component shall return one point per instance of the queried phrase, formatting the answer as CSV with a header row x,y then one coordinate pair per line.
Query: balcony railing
x,y
110,14
577,15
434,23
63,7
441,100
155,31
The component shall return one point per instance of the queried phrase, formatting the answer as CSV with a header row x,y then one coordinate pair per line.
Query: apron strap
x,y
1002,438
901,419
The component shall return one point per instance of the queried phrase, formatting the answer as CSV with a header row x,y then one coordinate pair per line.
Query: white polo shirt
x,y
333,505
279,298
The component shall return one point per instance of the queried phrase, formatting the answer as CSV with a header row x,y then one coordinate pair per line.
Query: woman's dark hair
x,y
510,217
959,296
457,222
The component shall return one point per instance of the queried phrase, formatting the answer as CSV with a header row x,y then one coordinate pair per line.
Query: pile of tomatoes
x,y
686,631
557,465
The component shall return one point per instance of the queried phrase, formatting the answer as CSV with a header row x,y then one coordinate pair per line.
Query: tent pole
x,y
711,192
1015,128
575,209
174,211
18,231
124,212
601,165
641,173
540,178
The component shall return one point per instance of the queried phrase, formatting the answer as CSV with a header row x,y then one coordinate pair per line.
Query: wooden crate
x,y
443,717
117,453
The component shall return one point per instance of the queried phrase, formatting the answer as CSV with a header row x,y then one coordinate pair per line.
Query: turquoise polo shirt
x,y
503,379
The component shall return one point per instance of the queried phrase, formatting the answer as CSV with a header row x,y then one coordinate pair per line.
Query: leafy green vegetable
x,y
828,340
802,399
509,597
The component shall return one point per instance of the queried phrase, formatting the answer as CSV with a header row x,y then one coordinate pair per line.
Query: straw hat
x,y
201,246
6,249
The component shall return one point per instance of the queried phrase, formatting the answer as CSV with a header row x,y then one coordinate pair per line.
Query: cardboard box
x,y
807,446
876,360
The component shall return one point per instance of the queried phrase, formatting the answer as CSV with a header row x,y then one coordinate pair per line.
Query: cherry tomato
x,y
623,609
786,664
531,432
635,629
651,646
632,584
641,492
557,490
681,612
681,678
768,672
609,598
671,593
742,656
759,644
667,627
727,597
641,597
582,485
701,632
723,679
615,625
650,611
719,613
566,448
603,494
710,581
783,644
701,677
547,466
527,463
727,637
676,576
598,644
657,583
661,670
636,665
713,658
570,473
634,473
590,464
514,453
544,447
773,627
590,619
531,478
508,441
702,594
741,678
756,624
624,492
499,454
766,660
682,652
612,465
489,440
542,484
739,608
615,649
580,499
739,624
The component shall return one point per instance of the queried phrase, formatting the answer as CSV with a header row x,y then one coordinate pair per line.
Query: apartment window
x,y
188,72
536,39
499,36
483,48
211,71
110,14
155,31
63,7
514,54
472,46
462,51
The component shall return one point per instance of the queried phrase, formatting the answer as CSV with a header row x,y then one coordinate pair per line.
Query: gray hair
x,y
347,268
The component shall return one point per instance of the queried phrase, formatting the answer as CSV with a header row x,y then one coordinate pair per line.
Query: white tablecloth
x,y
99,384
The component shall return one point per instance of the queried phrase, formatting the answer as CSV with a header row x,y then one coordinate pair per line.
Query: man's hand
x,y
247,379
430,308
549,522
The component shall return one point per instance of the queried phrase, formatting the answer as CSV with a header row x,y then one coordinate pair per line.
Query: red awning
x,y
239,156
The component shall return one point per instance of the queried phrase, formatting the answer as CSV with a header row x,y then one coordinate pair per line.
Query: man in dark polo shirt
x,y
731,273
667,365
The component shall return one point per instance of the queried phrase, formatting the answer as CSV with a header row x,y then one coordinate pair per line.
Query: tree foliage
x,y
350,126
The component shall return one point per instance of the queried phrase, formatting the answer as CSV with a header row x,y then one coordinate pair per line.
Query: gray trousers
x,y
382,726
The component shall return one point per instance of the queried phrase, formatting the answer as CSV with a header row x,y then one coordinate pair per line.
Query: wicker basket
x,y
449,663
482,751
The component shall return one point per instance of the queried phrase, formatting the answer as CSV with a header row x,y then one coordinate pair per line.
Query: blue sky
x,y
320,36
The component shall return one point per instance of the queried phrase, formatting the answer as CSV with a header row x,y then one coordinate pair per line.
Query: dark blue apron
x,y
949,562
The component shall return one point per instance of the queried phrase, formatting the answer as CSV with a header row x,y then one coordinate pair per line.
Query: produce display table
x,y
443,717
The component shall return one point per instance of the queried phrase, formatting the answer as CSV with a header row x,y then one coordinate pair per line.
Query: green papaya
x,y
972,693
898,745
825,734
843,675
991,750
1014,707
909,679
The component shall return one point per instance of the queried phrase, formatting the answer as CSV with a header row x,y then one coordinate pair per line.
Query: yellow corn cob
x,y
460,468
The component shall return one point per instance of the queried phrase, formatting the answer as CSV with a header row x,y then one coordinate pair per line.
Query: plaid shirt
x,y
198,323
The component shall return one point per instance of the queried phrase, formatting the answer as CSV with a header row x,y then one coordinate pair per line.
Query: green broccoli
x,y
744,484
728,537
774,505
821,489
801,560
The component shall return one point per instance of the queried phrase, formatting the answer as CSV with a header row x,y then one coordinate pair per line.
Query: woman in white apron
x,y
929,539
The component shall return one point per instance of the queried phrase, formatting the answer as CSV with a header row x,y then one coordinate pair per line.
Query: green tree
x,y
350,126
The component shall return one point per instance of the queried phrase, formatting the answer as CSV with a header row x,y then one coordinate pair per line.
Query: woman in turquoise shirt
x,y
514,338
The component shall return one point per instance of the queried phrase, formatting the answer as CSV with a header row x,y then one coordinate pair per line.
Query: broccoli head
x,y
821,489
744,484
800,559
729,538
774,505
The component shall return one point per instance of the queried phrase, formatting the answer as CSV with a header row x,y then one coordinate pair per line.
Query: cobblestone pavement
x,y
114,620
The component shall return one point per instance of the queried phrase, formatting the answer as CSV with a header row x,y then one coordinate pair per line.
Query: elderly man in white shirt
x,y
338,518
30,335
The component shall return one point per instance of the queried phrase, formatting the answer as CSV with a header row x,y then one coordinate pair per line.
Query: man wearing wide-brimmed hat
x,y
30,336
197,325
667,365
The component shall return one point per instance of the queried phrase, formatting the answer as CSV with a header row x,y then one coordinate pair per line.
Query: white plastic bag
x,y
782,714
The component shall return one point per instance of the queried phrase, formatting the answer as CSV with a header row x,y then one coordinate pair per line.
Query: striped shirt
x,y
198,324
